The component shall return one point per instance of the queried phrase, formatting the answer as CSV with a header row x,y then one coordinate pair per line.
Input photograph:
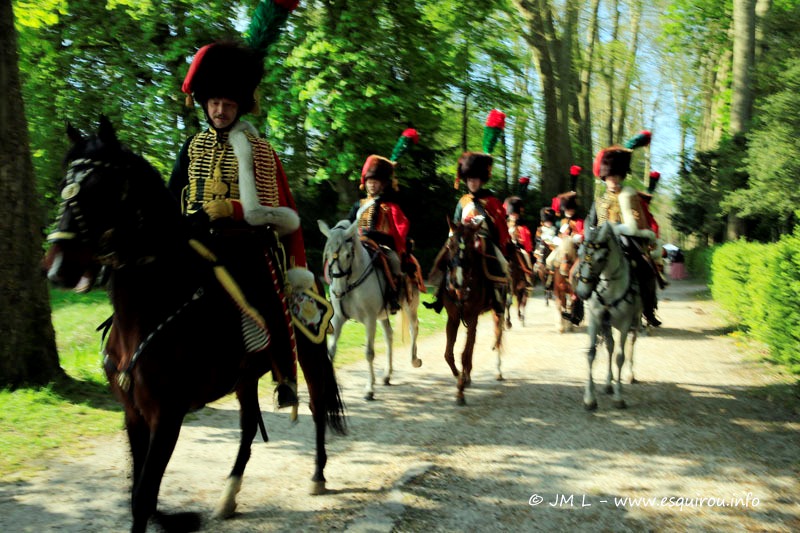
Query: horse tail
x,y
326,399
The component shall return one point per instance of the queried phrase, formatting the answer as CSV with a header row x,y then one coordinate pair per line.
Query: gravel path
x,y
708,443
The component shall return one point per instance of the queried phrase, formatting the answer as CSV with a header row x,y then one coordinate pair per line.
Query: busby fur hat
x,y
474,165
616,160
513,205
228,69
568,200
378,168
546,214
225,70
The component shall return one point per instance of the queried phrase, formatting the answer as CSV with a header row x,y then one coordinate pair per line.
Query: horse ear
x,y
351,231
106,131
74,135
324,228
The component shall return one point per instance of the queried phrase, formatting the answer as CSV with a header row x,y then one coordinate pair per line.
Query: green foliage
x,y
731,277
698,261
757,284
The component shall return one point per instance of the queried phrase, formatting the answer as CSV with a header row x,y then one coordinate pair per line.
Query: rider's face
x,y
222,112
374,187
613,183
473,184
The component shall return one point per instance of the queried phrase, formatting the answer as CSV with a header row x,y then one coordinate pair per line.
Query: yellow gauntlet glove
x,y
216,209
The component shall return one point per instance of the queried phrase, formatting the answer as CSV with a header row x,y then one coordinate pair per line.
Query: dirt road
x,y
708,443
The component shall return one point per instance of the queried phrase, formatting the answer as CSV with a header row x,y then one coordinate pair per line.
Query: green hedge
x,y
698,262
758,285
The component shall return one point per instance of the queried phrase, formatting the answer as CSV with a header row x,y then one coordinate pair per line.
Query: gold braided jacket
x,y
608,209
214,170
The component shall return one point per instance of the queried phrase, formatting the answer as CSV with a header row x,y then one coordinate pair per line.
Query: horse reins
x,y
587,260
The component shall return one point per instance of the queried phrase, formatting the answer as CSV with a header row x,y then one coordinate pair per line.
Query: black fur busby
x,y
378,168
513,205
546,214
474,165
225,70
568,200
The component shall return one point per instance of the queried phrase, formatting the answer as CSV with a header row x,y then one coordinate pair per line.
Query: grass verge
x,y
65,418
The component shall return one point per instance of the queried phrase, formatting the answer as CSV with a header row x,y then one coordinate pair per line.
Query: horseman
x,y
520,234
479,204
621,206
545,234
383,222
566,206
232,188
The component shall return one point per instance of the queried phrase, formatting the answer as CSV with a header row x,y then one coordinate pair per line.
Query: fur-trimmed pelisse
x,y
225,70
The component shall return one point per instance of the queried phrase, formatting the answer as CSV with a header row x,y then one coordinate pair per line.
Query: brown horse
x,y
563,293
518,287
176,340
468,294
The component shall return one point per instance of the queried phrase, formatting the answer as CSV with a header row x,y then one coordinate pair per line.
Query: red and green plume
x,y
267,22
654,177
408,137
640,139
493,130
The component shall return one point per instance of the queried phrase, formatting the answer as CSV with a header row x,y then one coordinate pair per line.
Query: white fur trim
x,y
285,219
300,278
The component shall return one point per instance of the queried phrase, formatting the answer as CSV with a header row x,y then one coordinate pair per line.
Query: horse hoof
x,y
620,404
500,377
461,401
416,363
634,381
591,406
317,488
370,396
224,510
386,381
609,389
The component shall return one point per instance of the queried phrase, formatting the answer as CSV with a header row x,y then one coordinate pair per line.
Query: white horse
x,y
613,306
357,288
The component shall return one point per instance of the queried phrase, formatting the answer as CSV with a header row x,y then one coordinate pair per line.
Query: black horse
x,y
176,339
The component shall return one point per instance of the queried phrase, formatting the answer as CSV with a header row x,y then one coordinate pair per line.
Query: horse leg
x,y
464,379
337,322
410,310
610,344
618,402
451,333
139,439
324,401
163,438
629,350
498,344
509,304
388,337
369,352
589,398
249,411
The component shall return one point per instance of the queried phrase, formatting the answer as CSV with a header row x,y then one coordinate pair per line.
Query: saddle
x,y
410,270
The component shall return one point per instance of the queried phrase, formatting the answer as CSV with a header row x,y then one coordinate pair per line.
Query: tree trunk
x,y
744,28
557,149
27,342
610,71
630,70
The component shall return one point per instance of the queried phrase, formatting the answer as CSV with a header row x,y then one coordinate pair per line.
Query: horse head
x,y
106,214
464,246
593,255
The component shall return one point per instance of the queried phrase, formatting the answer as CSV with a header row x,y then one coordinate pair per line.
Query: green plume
x,y
265,26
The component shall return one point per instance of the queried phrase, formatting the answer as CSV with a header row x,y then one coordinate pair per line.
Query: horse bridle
x,y
587,261
77,172
349,271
